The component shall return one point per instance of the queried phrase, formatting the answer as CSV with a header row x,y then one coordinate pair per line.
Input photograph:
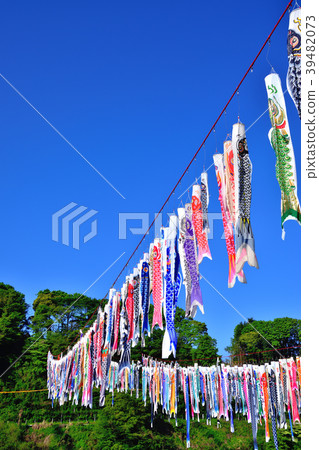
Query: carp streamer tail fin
x,y
245,245
232,275
146,325
196,298
241,277
166,346
204,252
125,360
157,318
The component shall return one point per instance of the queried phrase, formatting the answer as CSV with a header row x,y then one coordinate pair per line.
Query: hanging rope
x,y
19,392
205,139
179,361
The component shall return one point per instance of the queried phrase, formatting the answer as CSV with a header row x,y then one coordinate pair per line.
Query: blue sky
x,y
135,87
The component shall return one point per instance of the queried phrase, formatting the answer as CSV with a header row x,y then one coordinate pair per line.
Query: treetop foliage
x,y
281,333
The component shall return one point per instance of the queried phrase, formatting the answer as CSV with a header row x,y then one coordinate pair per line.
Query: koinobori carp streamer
x,y
244,238
227,223
255,391
197,219
173,279
280,139
294,58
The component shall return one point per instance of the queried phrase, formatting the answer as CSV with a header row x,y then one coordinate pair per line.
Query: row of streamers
x,y
234,168
233,173
256,391
174,257
265,392
124,321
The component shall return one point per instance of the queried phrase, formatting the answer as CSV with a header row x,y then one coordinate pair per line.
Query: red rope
x,y
215,123
263,351
191,161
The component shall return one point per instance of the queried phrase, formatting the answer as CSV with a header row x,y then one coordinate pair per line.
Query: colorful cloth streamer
x,y
145,297
294,58
204,200
269,389
197,218
228,228
157,284
187,280
244,238
280,139
192,261
173,281
230,180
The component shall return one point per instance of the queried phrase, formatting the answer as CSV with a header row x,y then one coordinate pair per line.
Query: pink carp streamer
x,y
229,179
197,217
157,284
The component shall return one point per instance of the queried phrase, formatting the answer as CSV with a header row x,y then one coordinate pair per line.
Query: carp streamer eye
x,y
294,41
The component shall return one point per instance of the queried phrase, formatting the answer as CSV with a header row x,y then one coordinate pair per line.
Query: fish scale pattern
x,y
197,218
294,81
157,287
136,299
273,397
244,172
294,58
204,200
145,288
190,253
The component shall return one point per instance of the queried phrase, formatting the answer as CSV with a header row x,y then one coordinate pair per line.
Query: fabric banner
x,y
230,179
280,139
244,238
228,228
220,390
294,58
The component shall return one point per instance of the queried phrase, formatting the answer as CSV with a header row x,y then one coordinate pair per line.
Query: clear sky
x,y
135,87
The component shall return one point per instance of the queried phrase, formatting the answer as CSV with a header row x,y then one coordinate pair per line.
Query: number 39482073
x,y
310,44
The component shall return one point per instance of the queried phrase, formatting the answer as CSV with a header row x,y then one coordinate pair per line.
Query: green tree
x,y
249,342
193,341
56,322
13,325
206,351
59,316
68,312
